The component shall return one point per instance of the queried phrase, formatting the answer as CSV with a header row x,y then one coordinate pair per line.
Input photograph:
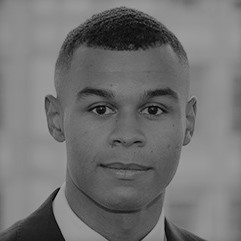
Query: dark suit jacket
x,y
41,226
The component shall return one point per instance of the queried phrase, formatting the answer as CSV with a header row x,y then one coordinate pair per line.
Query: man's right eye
x,y
102,110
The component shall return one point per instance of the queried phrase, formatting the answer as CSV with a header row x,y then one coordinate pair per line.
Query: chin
x,y
125,201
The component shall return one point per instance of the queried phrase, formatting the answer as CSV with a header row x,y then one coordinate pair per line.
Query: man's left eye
x,y
152,110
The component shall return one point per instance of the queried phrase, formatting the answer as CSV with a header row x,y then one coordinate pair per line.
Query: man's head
x,y
122,107
118,29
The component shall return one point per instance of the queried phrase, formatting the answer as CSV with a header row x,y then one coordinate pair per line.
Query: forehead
x,y
100,60
151,68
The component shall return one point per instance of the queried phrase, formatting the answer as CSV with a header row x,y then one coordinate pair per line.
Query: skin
x,y
126,128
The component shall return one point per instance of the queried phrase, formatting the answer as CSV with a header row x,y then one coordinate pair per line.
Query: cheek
x,y
84,140
172,153
169,155
79,144
168,151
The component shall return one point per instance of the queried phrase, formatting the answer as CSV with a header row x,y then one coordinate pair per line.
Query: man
x,y
124,111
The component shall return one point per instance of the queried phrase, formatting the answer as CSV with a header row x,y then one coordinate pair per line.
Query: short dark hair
x,y
120,29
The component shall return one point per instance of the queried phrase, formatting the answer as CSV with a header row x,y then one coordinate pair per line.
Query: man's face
x,y
124,123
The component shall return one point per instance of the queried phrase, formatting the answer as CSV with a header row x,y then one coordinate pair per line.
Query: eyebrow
x,y
107,94
160,92
95,92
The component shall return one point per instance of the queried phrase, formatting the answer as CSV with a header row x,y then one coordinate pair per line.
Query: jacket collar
x,y
41,225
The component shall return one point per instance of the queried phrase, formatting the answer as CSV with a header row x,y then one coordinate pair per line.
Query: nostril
x,y
125,142
139,143
115,143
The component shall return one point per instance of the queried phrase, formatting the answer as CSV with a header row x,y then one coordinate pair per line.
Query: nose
x,y
127,132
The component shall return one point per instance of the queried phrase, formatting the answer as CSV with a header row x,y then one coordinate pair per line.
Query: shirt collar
x,y
73,228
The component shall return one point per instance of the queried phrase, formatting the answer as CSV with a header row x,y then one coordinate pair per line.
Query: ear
x,y
191,110
54,118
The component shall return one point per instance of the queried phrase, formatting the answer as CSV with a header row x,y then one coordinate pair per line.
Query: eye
x,y
102,110
152,110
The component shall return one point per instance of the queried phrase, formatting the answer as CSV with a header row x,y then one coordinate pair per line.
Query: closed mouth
x,y
122,166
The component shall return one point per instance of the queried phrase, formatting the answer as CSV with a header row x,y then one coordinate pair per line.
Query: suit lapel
x,y
41,225
172,232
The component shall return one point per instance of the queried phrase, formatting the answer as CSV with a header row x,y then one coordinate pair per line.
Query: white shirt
x,y
74,229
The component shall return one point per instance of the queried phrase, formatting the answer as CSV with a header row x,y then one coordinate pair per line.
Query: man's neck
x,y
116,226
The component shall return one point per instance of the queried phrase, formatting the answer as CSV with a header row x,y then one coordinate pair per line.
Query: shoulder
x,y
38,226
175,233
10,234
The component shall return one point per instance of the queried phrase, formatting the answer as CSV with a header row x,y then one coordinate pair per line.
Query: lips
x,y
122,166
